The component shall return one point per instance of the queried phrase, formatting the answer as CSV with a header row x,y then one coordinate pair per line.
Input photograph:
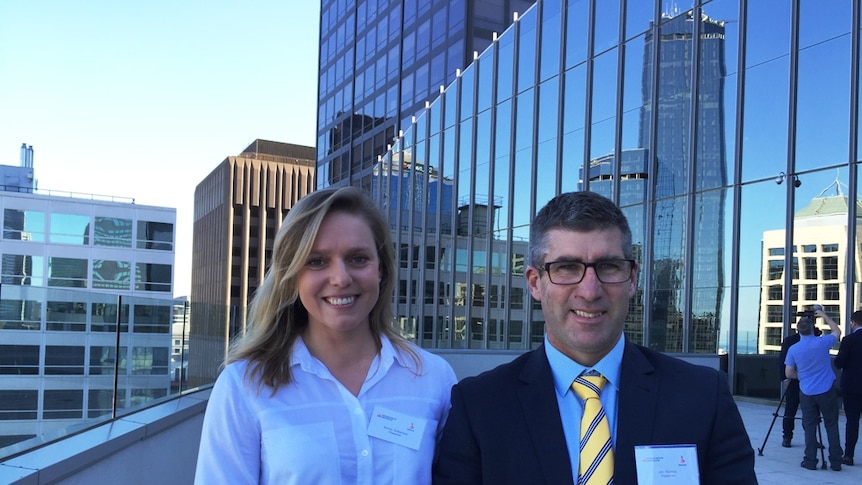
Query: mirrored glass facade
x,y
727,130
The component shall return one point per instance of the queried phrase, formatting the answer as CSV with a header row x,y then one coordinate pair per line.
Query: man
x,y
809,361
791,390
520,423
849,360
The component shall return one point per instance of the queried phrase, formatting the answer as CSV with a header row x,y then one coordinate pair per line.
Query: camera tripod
x,y
775,416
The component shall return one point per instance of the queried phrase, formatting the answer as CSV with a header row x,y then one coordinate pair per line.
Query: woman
x,y
321,389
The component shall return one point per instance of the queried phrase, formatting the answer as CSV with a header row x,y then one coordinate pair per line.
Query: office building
x,y
690,116
820,252
238,209
78,276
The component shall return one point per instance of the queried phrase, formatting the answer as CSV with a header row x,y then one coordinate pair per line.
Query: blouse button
x,y
364,453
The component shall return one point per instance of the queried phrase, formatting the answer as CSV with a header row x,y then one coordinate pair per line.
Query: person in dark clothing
x,y
791,393
849,360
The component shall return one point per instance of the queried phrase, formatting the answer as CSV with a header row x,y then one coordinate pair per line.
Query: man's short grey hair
x,y
805,326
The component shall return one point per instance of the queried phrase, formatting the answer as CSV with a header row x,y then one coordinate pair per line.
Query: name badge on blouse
x,y
396,427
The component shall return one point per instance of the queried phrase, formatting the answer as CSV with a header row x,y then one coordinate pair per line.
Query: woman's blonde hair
x,y
276,316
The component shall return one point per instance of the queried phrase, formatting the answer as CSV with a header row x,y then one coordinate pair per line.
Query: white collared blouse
x,y
316,431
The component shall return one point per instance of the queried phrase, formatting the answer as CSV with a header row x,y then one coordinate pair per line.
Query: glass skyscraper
x,y
381,61
717,125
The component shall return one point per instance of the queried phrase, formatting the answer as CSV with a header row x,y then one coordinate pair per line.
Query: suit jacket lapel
x,y
638,397
542,416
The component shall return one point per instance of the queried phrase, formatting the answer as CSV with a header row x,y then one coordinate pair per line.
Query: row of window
x,y
20,314
410,257
441,294
23,404
807,248
510,332
78,360
831,292
36,226
27,270
828,268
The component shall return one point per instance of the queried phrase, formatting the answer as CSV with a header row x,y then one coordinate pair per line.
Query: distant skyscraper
x,y
679,165
238,209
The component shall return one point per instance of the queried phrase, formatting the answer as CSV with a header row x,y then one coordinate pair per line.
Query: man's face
x,y
583,320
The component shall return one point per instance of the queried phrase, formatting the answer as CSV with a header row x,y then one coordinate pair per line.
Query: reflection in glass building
x,y
727,130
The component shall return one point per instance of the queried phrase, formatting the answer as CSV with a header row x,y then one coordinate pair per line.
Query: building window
x,y
430,260
478,295
63,404
537,333
102,361
810,292
774,314
23,225
150,361
155,235
830,248
776,269
64,360
100,402
112,232
114,275
20,315
477,329
153,277
66,316
516,298
830,267
428,329
69,229
518,265
776,251
809,248
773,336
152,319
18,404
67,272
516,332
775,292
831,292
104,318
19,360
22,270
810,268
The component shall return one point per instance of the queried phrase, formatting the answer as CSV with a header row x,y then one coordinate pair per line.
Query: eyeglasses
x,y
572,272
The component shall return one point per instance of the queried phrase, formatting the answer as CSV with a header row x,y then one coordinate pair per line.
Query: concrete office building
x,y
78,275
820,254
688,115
238,209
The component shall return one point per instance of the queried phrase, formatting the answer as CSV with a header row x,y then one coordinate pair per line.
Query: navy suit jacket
x,y
849,360
504,426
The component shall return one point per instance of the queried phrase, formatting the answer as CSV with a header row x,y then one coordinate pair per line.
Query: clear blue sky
x,y
142,99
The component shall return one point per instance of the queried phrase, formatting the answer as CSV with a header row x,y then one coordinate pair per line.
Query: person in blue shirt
x,y
810,362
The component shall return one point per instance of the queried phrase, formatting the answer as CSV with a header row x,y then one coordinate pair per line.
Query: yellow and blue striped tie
x,y
596,454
